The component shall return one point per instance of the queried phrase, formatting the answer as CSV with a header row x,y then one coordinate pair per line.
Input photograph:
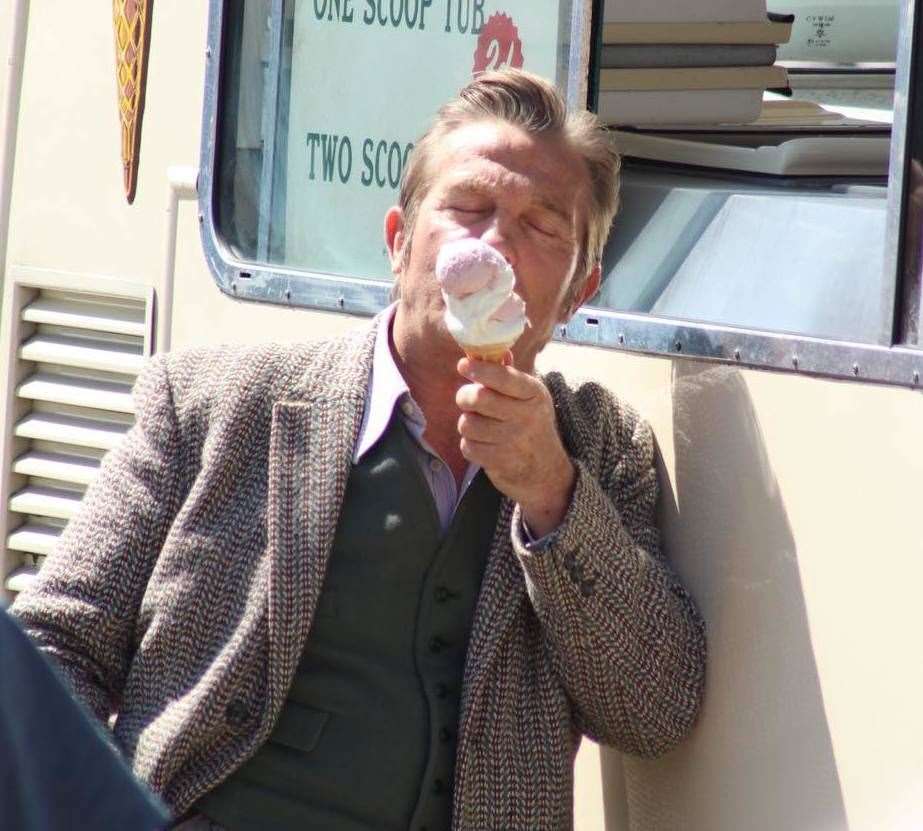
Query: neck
x,y
428,366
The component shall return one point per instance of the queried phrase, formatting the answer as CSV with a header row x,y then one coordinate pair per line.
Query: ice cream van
x,y
191,173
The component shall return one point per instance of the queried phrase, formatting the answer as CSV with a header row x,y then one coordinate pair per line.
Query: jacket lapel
x,y
503,590
311,444
502,595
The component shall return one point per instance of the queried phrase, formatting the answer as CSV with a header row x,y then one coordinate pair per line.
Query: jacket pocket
x,y
299,727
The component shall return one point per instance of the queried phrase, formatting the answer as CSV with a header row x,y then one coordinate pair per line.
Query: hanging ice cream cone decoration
x,y
132,20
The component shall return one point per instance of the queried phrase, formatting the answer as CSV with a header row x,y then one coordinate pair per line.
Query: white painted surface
x,y
69,429
34,539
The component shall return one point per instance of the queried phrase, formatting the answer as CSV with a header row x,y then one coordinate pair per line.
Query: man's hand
x,y
508,427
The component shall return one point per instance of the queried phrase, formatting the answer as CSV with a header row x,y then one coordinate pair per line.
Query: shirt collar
x,y
387,388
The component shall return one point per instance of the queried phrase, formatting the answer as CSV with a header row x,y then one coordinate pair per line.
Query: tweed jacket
x,y
181,595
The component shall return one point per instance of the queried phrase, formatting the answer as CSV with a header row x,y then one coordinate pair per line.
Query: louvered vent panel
x,y
79,355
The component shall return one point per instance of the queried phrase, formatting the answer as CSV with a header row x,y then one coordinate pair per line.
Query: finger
x,y
479,452
504,379
483,429
477,398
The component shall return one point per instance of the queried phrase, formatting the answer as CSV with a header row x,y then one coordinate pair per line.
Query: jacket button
x,y
445,734
237,712
438,787
442,690
437,644
586,588
442,594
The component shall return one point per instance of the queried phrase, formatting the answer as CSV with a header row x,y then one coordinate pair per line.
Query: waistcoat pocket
x,y
299,727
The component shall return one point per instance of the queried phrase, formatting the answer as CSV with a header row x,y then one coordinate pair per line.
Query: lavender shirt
x,y
387,390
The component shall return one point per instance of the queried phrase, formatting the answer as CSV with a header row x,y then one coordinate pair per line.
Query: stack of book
x,y
688,61
777,153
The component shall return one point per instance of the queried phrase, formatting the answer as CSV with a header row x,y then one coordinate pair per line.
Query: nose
x,y
500,234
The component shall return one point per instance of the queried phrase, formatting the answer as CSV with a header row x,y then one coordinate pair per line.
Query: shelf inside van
x,y
778,154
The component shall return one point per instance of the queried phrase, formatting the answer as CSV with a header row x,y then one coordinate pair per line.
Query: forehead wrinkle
x,y
482,180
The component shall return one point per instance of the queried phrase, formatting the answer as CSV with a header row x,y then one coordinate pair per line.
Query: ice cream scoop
x,y
482,312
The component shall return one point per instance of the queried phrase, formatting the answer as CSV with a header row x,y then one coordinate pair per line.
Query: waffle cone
x,y
131,19
492,352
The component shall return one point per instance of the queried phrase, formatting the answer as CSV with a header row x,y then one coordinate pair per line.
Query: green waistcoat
x,y
366,739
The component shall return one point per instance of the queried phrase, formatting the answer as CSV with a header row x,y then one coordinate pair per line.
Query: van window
x,y
322,101
784,242
789,256
780,224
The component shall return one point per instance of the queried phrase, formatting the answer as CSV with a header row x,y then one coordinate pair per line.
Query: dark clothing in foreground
x,y
56,769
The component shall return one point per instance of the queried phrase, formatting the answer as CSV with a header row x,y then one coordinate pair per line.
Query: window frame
x,y
898,364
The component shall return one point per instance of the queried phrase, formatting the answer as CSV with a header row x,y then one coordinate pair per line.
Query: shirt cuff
x,y
531,541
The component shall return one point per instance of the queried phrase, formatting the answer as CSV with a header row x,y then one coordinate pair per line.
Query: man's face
x,y
522,194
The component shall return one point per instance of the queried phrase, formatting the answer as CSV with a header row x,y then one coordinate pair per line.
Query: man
x,y
368,583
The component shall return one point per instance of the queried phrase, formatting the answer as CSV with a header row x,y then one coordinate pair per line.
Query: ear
x,y
394,238
590,287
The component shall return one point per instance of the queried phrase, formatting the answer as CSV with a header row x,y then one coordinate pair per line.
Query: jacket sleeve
x,y
625,638
83,608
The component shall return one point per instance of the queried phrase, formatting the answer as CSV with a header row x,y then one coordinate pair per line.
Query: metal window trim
x,y
906,300
664,337
635,333
270,122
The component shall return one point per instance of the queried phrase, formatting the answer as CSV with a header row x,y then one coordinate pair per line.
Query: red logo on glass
x,y
499,45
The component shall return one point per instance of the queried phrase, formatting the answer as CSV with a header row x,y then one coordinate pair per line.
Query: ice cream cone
x,y
482,312
494,353
131,19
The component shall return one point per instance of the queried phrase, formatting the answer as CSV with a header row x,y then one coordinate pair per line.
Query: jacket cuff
x,y
559,547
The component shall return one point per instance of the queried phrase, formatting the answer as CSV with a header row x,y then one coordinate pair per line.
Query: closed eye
x,y
544,228
468,209
547,228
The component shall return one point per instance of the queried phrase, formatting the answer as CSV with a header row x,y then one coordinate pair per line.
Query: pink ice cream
x,y
477,284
